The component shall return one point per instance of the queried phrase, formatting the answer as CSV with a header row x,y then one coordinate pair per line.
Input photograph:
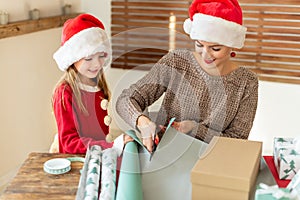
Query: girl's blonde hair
x,y
72,79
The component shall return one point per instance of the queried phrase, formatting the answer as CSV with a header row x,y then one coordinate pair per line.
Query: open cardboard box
x,y
227,169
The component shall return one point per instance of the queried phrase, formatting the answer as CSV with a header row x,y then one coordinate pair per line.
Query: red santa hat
x,y
81,37
216,21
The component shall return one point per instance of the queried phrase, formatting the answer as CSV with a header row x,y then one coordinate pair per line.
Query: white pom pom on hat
x,y
82,36
187,25
216,21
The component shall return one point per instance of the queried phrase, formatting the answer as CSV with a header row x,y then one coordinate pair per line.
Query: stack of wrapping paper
x,y
286,157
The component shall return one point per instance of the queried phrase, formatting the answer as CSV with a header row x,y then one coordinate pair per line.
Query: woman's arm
x,y
241,125
134,100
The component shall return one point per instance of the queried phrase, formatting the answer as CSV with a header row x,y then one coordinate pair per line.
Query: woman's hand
x,y
147,129
184,126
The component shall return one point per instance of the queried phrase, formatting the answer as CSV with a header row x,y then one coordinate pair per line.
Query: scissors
x,y
160,131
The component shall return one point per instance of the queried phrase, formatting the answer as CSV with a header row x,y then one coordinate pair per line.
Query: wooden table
x,y
31,182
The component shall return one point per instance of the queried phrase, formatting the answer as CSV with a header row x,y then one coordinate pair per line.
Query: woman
x,y
204,90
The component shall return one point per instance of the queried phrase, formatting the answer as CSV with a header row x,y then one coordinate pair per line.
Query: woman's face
x,y
90,66
212,54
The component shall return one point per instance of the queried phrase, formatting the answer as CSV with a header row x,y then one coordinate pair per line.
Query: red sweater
x,y
77,131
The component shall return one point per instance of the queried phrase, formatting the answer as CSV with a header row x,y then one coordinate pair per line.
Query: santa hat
x,y
81,37
216,21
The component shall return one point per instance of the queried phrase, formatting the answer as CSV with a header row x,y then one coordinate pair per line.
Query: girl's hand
x,y
184,126
127,139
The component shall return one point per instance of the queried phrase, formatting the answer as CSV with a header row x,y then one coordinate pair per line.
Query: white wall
x,y
28,74
278,113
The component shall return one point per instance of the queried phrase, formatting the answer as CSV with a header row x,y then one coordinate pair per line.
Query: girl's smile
x,y
89,67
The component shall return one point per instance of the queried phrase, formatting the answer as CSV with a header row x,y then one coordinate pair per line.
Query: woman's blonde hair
x,y
72,79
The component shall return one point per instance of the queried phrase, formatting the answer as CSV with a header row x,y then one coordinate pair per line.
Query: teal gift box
x,y
292,192
264,192
286,158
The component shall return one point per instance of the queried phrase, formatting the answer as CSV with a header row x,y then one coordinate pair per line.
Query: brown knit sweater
x,y
221,105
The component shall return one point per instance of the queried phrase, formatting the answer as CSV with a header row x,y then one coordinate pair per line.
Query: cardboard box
x,y
227,169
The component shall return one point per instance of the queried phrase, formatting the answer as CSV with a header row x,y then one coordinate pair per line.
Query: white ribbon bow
x,y
275,192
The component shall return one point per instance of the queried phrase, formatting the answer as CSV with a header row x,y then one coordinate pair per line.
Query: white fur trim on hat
x,y
216,30
83,44
187,25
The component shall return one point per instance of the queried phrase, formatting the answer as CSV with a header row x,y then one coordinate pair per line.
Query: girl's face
x,y
90,66
212,54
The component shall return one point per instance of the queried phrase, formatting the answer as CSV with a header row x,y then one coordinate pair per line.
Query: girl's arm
x,y
69,139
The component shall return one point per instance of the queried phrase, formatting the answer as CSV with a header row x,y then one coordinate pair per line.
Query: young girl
x,y
80,98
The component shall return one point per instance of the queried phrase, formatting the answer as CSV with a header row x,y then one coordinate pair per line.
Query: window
x,y
144,30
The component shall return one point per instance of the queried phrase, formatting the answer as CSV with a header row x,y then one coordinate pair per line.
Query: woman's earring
x,y
233,54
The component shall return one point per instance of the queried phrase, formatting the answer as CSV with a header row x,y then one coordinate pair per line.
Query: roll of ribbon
x,y
57,166
60,165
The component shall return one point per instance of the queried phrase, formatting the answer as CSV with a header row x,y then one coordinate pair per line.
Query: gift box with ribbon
x,y
292,192
294,185
286,157
265,192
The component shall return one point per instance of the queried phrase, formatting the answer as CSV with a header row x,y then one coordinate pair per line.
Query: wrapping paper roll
x,y
90,175
93,174
130,184
108,174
